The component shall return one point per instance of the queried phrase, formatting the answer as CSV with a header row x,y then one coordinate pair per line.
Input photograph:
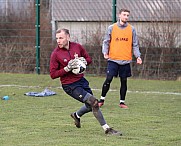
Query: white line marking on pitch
x,y
143,92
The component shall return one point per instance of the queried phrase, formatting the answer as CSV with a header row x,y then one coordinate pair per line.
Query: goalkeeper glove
x,y
71,65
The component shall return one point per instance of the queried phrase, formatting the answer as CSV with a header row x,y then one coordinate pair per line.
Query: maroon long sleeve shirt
x,y
60,58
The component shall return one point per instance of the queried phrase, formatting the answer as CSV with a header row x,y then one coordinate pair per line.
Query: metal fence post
x,y
114,11
37,5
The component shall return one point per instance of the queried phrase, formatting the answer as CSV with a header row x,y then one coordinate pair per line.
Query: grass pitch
x,y
153,117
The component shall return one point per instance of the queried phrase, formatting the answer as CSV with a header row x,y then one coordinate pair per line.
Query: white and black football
x,y
80,68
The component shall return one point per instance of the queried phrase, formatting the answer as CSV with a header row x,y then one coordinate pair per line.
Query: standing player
x,y
62,63
118,44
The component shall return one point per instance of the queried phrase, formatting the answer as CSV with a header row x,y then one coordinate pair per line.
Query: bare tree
x,y
159,43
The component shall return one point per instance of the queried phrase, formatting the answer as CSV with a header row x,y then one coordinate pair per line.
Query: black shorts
x,y
78,90
114,69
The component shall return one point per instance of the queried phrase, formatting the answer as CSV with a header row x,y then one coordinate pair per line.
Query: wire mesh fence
x,y
157,22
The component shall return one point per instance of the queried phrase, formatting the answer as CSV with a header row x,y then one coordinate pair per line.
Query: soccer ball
x,y
80,68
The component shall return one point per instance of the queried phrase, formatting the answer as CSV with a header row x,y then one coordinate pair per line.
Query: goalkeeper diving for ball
x,y
64,59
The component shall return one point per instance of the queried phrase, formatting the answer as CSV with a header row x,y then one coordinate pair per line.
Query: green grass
x,y
153,117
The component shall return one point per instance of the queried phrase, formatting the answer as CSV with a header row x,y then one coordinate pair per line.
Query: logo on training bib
x,y
121,39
